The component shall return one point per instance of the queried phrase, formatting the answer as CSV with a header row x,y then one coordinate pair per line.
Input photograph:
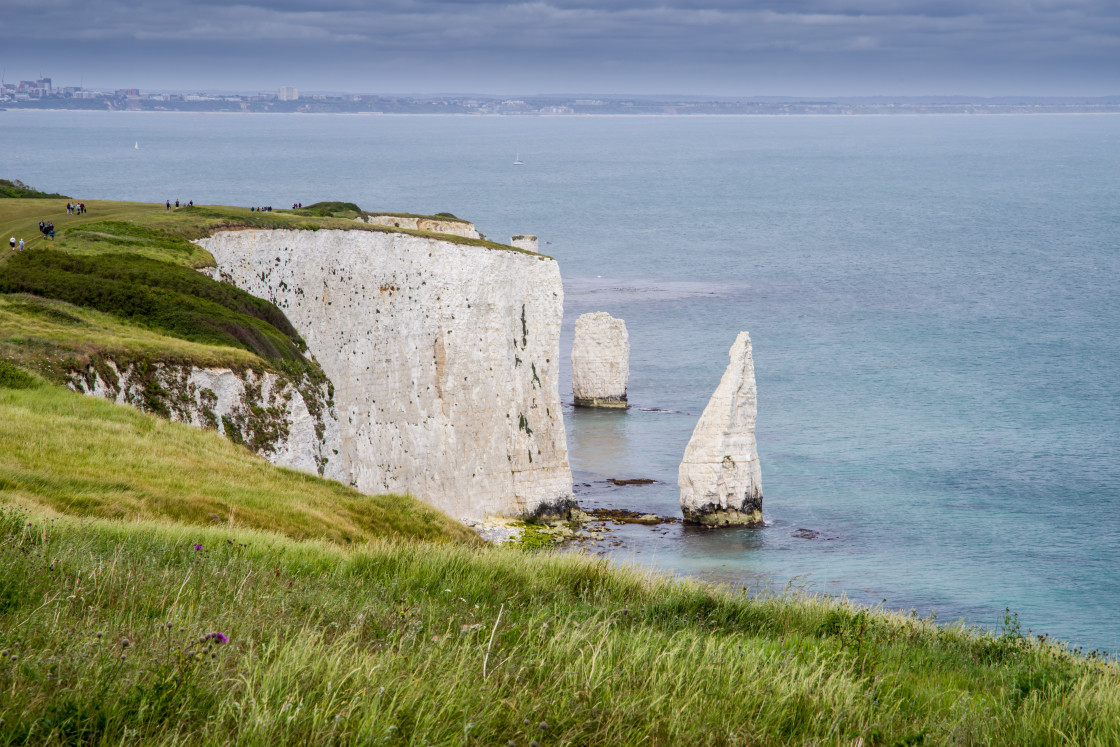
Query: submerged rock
x,y
719,477
600,361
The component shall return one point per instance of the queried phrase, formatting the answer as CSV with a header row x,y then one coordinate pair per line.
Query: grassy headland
x,y
161,585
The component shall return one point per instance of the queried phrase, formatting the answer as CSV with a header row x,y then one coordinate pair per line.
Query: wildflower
x,y
218,637
626,612
125,643
198,547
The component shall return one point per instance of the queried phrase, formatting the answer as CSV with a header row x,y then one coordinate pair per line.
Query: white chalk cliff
x,y
719,477
600,361
444,359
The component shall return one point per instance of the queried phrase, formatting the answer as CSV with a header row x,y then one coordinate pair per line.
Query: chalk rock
x,y
444,358
526,241
455,227
286,421
719,477
600,361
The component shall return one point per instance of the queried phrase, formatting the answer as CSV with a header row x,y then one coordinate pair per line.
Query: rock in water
x,y
600,361
719,477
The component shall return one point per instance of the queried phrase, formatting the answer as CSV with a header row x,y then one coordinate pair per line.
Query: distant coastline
x,y
131,100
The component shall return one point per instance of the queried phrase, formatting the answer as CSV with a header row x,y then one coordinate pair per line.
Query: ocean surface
x,y
934,304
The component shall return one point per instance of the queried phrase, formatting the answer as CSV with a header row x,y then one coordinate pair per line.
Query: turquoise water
x,y
932,300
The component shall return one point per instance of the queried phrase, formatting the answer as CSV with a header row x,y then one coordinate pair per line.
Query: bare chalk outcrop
x,y
433,224
288,421
720,478
600,361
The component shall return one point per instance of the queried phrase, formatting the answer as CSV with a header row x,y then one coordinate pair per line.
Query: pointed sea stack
x,y
600,361
720,478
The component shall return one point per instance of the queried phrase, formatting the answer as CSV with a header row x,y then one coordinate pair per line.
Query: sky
x,y
728,48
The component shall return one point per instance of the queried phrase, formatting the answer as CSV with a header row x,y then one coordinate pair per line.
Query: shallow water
x,y
932,302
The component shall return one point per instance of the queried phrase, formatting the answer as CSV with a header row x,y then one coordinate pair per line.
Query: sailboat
x,y
517,160
137,146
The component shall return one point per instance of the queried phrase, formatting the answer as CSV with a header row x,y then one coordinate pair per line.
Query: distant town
x,y
42,94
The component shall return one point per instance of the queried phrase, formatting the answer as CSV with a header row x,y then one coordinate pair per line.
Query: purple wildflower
x,y
219,637
198,547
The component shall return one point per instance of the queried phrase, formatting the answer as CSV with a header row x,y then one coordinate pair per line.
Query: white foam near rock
x,y
600,361
720,478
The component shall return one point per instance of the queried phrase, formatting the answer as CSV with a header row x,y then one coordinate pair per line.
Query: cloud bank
x,y
708,47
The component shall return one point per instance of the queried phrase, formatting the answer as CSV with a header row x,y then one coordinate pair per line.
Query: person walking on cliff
x,y
21,245
12,243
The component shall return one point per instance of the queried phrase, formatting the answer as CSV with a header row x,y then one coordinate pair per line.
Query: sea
x,y
934,304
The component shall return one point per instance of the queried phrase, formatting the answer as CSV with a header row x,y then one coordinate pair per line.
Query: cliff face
x,y
444,359
289,423
719,477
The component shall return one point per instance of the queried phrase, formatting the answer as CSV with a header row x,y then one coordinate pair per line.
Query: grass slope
x,y
65,453
55,338
109,635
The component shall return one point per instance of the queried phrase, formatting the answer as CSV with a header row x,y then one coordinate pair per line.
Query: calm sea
x,y
933,303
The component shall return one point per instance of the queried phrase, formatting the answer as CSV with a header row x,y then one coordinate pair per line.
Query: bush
x,y
16,188
13,377
169,298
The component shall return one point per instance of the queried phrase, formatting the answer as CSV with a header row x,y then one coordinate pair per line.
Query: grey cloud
x,y
642,39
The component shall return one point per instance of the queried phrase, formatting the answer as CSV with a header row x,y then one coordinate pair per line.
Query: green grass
x,y
104,636
162,296
55,338
69,454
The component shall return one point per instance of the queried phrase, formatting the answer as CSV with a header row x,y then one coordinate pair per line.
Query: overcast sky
x,y
705,47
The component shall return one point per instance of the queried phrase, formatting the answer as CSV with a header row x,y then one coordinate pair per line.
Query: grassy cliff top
x,y
149,228
437,217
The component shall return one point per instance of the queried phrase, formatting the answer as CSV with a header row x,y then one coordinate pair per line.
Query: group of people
x,y
267,209
75,208
185,204
296,205
12,243
47,229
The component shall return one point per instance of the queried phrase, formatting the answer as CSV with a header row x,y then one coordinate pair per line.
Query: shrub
x,y
169,298
16,188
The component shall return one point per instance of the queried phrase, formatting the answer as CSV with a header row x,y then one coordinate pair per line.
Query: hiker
x,y
169,204
50,231
12,243
176,204
21,245
42,228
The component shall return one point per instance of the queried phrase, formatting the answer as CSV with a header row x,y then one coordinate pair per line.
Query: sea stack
x,y
719,477
600,361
